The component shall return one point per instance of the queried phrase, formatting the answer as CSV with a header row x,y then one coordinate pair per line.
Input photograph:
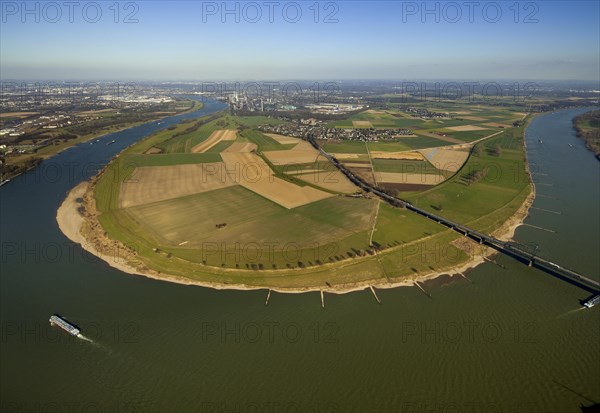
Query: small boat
x,y
541,141
571,145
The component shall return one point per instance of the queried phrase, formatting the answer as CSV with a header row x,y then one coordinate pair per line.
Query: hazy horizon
x,y
192,41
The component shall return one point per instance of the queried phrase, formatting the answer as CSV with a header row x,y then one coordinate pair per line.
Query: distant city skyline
x,y
185,40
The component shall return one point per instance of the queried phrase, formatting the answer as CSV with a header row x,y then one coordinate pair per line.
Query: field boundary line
x,y
374,222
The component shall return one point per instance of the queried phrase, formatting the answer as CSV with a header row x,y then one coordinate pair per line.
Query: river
x,y
511,339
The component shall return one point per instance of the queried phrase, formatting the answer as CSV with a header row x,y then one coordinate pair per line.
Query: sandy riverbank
x,y
76,226
81,226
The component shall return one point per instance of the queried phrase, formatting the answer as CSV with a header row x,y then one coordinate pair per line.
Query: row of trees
x,y
495,151
10,170
474,176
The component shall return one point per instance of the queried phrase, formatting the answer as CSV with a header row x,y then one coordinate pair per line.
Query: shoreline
x,y
73,225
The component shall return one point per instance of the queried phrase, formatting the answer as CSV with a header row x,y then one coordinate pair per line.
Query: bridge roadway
x,y
507,248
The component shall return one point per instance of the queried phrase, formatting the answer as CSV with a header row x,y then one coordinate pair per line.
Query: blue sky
x,y
194,40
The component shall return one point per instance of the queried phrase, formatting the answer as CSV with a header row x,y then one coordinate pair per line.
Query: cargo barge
x,y
592,301
57,320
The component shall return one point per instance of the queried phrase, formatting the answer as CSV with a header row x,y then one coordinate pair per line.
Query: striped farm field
x,y
284,140
397,155
292,157
255,175
332,180
362,124
446,159
241,147
465,128
343,156
214,138
152,184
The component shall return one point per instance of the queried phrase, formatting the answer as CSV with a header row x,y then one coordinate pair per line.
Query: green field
x,y
470,136
404,166
135,160
253,121
379,121
385,146
422,142
264,244
219,147
505,186
398,119
334,224
345,147
397,226
264,142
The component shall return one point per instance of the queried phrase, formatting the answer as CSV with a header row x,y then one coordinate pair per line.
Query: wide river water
x,y
511,339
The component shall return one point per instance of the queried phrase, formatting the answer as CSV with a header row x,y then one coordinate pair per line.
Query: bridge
x,y
508,248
